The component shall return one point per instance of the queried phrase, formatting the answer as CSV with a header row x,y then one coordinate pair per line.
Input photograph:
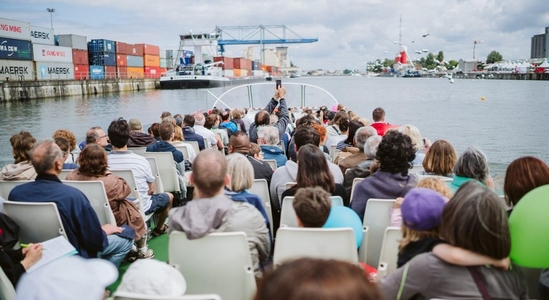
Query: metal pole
x,y
51,11
474,59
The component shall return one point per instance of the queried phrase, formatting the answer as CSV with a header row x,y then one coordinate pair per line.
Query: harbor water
x,y
512,120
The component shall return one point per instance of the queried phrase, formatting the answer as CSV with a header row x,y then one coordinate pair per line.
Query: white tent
x,y
544,64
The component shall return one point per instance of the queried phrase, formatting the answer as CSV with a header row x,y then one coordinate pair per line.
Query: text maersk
x,y
58,71
14,70
40,35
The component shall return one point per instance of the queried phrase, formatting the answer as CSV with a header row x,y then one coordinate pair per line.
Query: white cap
x,y
70,277
153,277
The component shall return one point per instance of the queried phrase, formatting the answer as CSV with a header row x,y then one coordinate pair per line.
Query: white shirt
x,y
206,133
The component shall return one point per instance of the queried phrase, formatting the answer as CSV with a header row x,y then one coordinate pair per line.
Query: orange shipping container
x,y
135,72
122,72
237,72
121,60
149,49
151,61
79,57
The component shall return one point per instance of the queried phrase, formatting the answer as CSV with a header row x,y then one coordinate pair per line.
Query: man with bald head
x,y
213,139
263,117
79,219
212,211
240,143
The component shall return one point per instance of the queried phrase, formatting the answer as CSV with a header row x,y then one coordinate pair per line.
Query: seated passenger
x,y
417,141
379,124
268,139
137,137
166,131
69,136
22,169
65,147
359,138
439,160
190,134
471,165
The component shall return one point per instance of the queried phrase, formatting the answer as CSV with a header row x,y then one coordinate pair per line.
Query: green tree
x,y
347,71
430,61
388,62
453,64
493,57
440,56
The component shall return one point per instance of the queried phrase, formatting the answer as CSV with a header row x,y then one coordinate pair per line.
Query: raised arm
x,y
462,257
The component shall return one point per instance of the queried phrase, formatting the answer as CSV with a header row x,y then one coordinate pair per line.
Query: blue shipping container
x,y
135,61
97,72
103,59
101,46
15,49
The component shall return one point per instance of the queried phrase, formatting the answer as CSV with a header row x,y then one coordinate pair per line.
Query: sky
x,y
350,33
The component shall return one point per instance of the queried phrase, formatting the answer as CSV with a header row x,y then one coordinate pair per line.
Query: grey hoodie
x,y
21,171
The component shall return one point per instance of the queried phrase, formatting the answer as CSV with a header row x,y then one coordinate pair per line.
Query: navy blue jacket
x,y
163,146
190,135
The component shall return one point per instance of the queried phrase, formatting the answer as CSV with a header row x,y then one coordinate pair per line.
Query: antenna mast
x,y
400,33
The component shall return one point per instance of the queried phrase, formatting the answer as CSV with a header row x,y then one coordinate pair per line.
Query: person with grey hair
x,y
213,139
472,164
362,169
268,139
361,135
97,135
80,221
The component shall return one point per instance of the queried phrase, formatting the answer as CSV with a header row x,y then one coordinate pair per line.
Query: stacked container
x,y
53,62
79,47
15,50
134,56
151,60
102,54
121,59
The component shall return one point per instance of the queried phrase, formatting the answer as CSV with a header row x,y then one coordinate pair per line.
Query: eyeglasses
x,y
105,136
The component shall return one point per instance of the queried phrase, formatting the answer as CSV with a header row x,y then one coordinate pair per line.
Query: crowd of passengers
x,y
451,218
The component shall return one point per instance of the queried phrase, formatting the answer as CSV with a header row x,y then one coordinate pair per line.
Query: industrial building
x,y
540,45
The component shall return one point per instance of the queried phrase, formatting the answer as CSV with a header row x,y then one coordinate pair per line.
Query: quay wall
x,y
12,90
503,76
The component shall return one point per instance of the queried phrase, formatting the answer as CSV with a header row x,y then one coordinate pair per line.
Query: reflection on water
x,y
510,122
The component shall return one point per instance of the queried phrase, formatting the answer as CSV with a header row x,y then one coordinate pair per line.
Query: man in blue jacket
x,y
166,131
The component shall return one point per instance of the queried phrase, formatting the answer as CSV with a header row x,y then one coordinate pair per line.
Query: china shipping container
x,y
97,72
15,49
121,48
135,61
15,29
133,50
121,60
79,57
81,72
98,46
152,72
149,49
74,41
16,69
102,59
42,35
47,53
135,72
227,62
122,72
54,71
110,72
151,61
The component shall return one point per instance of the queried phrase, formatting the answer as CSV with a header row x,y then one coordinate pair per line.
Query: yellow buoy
x,y
482,98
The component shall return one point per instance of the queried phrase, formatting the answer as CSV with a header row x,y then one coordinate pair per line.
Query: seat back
x,y
228,273
130,180
289,185
185,150
223,135
193,144
272,163
138,150
415,169
7,291
96,194
261,189
287,214
119,295
158,187
333,152
442,178
166,170
64,174
376,218
325,243
38,221
207,143
7,185
355,182
389,251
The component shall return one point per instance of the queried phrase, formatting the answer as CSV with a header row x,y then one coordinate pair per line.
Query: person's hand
x,y
32,255
502,263
111,229
277,94
281,91
398,202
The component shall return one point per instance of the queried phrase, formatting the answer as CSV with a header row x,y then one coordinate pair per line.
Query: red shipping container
x,y
134,50
122,72
152,72
79,57
149,49
110,72
81,72
227,62
237,63
163,71
121,48
121,60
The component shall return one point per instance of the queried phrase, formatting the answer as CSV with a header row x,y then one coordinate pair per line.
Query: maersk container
x,y
135,61
15,49
54,71
74,41
47,53
16,69
42,35
15,29
103,59
97,46
97,72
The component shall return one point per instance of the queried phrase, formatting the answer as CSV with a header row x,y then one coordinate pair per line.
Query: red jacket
x,y
382,127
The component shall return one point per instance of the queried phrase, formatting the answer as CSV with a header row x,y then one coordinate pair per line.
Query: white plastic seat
x,y
185,150
415,169
166,170
355,182
130,180
389,252
261,189
223,135
442,178
118,295
376,219
96,194
333,152
64,174
7,185
272,163
325,243
218,263
158,187
207,143
7,291
38,221
287,214
194,144
289,185
138,150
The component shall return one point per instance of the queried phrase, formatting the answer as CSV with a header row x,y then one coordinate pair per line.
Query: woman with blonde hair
x,y
440,159
179,140
417,142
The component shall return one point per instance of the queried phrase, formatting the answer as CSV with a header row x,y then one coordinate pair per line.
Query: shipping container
x,y
81,72
42,35
97,46
110,72
228,73
102,59
54,70
227,62
122,72
72,40
151,61
163,71
16,70
237,63
15,29
97,72
243,72
133,50
147,49
121,48
79,57
237,72
257,73
135,61
47,53
163,63
152,72
135,72
15,49
255,65
121,60
246,64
